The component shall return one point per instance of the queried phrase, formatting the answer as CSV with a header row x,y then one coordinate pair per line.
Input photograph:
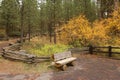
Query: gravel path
x,y
86,68
91,69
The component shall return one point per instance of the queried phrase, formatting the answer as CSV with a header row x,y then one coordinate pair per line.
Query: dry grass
x,y
42,47
15,67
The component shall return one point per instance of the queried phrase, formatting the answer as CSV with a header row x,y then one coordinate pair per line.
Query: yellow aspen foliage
x,y
101,32
79,31
108,30
99,35
113,28
76,31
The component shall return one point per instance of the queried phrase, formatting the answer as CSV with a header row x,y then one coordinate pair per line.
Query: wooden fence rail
x,y
110,49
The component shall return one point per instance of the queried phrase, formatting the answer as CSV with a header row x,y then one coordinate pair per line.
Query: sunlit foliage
x,y
113,28
77,31
99,33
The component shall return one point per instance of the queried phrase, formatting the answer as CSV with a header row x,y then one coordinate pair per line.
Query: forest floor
x,y
88,67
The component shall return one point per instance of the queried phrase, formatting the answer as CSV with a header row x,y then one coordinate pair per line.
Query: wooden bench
x,y
62,60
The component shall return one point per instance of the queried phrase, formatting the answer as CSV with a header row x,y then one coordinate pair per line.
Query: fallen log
x,y
40,59
19,54
14,52
13,47
25,57
18,59
43,57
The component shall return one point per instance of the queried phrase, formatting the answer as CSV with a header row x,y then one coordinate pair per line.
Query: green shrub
x,y
75,43
45,49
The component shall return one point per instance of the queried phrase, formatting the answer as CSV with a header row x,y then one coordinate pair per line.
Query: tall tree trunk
x,y
29,31
50,31
22,31
55,41
116,4
7,27
29,22
41,28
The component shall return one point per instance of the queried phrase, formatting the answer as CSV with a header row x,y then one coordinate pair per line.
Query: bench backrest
x,y
61,56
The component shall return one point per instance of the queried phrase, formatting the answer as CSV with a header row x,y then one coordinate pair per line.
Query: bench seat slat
x,y
65,61
60,56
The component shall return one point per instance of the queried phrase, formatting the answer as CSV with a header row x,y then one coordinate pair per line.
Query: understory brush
x,y
41,49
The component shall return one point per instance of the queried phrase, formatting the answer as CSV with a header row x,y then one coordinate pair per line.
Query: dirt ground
x,y
91,68
87,68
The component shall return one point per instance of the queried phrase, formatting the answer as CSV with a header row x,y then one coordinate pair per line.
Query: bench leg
x,y
64,67
71,63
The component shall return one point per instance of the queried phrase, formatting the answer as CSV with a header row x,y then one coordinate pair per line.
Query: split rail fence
x,y
109,50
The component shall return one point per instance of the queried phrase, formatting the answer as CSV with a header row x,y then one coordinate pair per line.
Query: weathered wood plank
x,y
65,61
13,47
62,59
60,56
14,52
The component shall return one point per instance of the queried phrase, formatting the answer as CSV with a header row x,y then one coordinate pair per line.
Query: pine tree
x,y
30,15
68,9
88,9
106,8
10,16
43,20
49,14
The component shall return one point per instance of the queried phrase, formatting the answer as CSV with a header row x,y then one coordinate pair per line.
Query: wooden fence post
x,y
91,49
109,51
